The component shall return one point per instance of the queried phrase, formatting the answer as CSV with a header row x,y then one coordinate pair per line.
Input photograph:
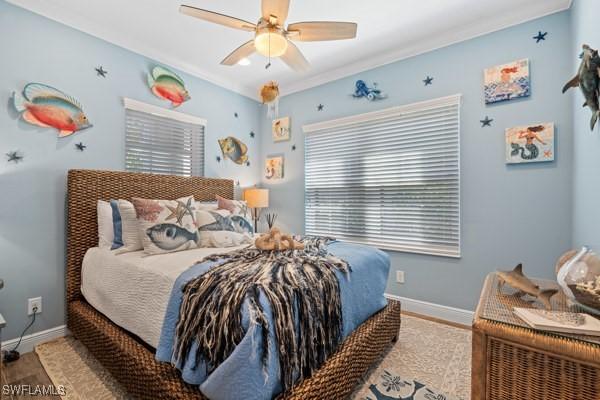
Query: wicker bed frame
x,y
128,358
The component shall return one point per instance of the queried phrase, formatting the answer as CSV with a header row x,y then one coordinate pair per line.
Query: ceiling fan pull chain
x,y
269,63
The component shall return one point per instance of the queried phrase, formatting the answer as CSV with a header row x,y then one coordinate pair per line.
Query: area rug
x,y
430,361
394,387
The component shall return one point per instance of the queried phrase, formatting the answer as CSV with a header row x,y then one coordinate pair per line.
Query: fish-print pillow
x,y
166,226
222,229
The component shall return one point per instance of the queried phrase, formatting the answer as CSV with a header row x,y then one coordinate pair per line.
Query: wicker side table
x,y
512,362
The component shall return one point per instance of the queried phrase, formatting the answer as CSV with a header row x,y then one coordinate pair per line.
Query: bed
x,y
129,356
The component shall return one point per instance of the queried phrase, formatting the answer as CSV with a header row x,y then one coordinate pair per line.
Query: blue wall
x,y
586,163
32,200
510,214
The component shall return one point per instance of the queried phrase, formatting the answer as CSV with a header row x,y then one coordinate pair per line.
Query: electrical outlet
x,y
35,302
400,276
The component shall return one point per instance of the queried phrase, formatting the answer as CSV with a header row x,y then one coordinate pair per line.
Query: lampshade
x,y
270,41
257,198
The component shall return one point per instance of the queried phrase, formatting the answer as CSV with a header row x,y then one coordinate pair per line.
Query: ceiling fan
x,y
271,38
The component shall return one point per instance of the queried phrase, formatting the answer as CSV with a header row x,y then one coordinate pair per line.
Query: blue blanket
x,y
242,376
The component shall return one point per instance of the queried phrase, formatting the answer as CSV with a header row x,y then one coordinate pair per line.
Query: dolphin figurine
x,y
517,280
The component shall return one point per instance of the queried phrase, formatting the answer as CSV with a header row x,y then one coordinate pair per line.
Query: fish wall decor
x,y
588,81
370,93
167,85
234,149
48,107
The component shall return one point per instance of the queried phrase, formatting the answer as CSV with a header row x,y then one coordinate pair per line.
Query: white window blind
x,y
389,178
163,141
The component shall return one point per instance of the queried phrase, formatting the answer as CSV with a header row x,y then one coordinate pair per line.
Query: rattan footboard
x,y
130,361
134,366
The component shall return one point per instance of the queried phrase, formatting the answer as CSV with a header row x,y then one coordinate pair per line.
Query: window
x,y
162,141
389,178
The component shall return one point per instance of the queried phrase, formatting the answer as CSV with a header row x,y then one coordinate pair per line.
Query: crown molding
x,y
439,41
523,14
70,19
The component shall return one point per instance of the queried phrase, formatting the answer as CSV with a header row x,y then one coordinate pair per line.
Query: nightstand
x,y
513,361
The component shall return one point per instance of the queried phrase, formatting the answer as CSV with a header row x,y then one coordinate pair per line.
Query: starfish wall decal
x,y
101,71
320,107
486,122
540,36
80,146
14,156
428,81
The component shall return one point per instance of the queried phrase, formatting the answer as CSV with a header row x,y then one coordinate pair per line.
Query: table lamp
x,y
256,199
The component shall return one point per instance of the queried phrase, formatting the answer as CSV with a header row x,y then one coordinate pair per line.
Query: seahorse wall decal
x,y
380,396
534,152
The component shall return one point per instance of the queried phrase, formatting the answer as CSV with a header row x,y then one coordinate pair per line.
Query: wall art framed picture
x,y
274,168
507,81
281,129
530,143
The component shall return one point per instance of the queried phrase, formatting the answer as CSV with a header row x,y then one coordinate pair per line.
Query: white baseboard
x,y
30,341
456,315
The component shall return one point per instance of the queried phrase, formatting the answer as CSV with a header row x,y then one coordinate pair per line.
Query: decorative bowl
x,y
578,274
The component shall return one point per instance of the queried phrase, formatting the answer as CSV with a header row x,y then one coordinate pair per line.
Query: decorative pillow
x,y
117,226
207,205
167,226
129,226
223,229
106,233
233,206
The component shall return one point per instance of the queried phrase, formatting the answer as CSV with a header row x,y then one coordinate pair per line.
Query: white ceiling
x,y
388,30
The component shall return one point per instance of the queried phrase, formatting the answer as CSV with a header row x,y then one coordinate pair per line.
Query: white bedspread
x,y
133,289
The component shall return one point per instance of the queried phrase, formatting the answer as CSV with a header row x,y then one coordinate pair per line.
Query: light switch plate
x,y
400,276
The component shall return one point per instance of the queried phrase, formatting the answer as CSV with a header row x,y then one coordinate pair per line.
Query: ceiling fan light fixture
x,y
270,42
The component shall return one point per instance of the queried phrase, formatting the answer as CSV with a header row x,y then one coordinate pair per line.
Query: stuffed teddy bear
x,y
275,240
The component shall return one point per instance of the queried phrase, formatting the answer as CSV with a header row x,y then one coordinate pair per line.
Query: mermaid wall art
x,y
507,81
530,143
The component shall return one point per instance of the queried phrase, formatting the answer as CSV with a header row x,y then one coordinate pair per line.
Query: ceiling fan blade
x,y
241,52
217,18
277,8
294,58
321,30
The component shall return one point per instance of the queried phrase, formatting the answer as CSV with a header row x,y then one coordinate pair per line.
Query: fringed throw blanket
x,y
302,289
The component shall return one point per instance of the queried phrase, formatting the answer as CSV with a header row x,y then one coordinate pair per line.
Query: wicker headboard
x,y
86,187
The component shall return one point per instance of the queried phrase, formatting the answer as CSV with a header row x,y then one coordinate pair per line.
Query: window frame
x,y
141,107
397,111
